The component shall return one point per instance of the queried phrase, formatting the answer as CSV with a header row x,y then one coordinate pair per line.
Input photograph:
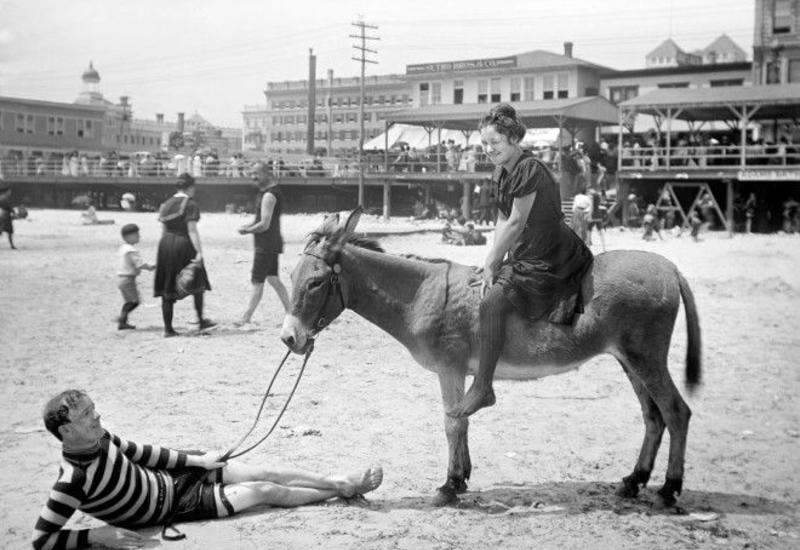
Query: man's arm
x,y
268,202
65,497
162,458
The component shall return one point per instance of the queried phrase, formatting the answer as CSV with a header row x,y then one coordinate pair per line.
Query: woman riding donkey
x,y
536,262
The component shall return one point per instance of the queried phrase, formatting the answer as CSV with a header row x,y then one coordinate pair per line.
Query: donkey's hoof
x,y
445,496
662,502
627,490
460,487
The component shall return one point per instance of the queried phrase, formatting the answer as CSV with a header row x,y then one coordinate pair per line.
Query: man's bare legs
x,y
280,290
258,293
247,486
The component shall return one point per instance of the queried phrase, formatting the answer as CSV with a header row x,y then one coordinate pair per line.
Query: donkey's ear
x,y
329,224
352,220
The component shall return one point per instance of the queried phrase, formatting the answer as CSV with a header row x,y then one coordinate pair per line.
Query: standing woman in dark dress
x,y
179,245
536,262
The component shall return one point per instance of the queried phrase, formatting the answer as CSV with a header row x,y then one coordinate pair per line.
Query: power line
x,y
362,48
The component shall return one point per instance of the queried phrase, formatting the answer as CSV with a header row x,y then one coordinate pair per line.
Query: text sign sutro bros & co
x,y
468,65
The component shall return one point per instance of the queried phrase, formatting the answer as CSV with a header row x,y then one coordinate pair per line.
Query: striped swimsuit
x,y
122,483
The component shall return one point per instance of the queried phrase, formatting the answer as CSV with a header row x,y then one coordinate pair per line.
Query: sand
x,y
546,458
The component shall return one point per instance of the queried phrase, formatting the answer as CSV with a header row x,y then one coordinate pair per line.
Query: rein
x,y
232,452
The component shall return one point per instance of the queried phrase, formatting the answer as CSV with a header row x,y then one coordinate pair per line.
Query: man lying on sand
x,y
129,486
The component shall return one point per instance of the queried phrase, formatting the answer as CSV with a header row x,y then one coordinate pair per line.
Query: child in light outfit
x,y
130,264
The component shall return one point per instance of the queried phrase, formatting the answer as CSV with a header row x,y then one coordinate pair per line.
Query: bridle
x,y
334,287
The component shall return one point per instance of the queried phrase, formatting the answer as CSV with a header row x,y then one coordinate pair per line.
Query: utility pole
x,y
362,48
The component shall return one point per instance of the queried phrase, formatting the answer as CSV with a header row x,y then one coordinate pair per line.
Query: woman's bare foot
x,y
475,399
360,484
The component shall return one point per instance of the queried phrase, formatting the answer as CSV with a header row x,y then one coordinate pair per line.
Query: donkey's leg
x,y
654,430
651,368
459,467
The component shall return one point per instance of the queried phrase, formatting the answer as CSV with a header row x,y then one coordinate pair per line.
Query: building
x,y
776,42
618,86
529,76
280,126
722,50
92,125
669,54
33,127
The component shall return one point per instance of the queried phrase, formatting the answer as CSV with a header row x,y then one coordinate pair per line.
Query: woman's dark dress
x,y
543,271
175,249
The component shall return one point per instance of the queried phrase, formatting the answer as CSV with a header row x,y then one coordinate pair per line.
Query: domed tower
x,y
91,93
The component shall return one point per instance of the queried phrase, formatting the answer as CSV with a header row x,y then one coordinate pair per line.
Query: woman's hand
x,y
489,273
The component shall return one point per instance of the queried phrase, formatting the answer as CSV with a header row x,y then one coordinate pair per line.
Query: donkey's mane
x,y
369,244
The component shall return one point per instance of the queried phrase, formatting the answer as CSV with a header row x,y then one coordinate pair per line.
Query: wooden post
x,y
387,199
386,125
466,200
438,145
729,206
669,137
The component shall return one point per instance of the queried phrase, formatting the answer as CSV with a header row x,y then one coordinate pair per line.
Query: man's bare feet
x,y
476,399
360,484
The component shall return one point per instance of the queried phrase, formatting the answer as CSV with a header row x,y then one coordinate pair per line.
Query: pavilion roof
x,y
571,112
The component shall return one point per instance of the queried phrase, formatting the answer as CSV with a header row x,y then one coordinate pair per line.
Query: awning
x,y
772,102
548,113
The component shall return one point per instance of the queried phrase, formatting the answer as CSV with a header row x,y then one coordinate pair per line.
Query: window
x,y
436,93
25,123
562,84
483,91
393,99
674,85
727,82
301,119
276,121
85,128
352,116
458,92
338,118
289,119
516,88
548,83
782,17
794,73
618,94
381,99
529,89
424,94
406,99
494,90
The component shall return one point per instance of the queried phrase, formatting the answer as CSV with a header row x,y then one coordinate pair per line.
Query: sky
x,y
214,57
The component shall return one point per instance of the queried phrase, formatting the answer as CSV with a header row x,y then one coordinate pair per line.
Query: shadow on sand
x,y
576,497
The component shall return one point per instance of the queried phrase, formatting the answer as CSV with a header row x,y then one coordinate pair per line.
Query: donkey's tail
x,y
693,345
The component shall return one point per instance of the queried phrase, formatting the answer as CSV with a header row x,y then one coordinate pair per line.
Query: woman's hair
x,y
505,121
185,181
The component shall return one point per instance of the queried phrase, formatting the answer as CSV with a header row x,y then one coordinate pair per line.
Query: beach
x,y
546,459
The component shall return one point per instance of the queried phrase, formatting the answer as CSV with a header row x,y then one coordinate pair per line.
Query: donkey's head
x,y
317,291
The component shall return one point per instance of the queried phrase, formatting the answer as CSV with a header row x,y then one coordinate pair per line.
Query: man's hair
x,y
262,173
56,411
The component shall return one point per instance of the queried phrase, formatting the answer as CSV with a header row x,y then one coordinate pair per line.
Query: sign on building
x,y
468,65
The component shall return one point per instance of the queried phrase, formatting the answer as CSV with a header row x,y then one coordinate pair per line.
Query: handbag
x,y
189,280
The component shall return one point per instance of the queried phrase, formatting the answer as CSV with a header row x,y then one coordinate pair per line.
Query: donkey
x,y
431,307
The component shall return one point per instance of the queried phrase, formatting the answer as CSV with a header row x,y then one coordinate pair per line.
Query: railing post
x,y
387,199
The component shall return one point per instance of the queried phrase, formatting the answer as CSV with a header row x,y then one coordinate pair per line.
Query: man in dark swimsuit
x,y
267,241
